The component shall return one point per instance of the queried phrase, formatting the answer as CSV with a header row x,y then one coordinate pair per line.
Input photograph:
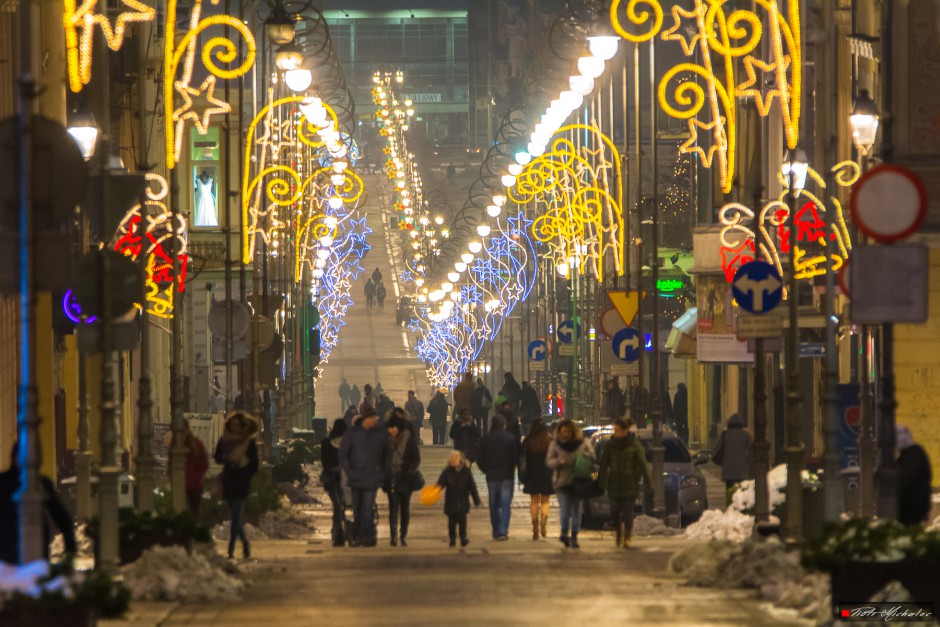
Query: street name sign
x,y
537,350
757,287
626,345
755,326
566,350
569,331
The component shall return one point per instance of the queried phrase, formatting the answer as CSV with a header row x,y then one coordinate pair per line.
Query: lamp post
x,y
863,121
794,169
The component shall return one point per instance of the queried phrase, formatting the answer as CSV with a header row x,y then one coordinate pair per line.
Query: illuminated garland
x,y
214,51
812,246
726,37
80,23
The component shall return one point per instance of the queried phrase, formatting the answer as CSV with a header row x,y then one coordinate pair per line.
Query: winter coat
x,y
384,406
536,477
466,439
365,456
480,402
380,291
511,391
329,458
560,458
622,466
913,485
406,457
415,410
529,407
236,475
733,451
437,409
462,395
499,455
459,488
197,463
370,289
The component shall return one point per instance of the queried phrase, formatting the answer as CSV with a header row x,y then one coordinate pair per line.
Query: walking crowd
x,y
376,446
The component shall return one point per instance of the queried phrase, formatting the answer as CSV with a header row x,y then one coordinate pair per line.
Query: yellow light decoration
x,y
638,19
737,239
580,214
80,23
214,51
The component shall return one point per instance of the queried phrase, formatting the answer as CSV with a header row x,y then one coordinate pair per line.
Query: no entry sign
x,y
889,203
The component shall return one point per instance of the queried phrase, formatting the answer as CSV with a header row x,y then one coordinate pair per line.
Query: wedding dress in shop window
x,y
205,201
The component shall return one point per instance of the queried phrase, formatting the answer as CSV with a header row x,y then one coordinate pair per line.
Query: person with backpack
x,y
403,475
380,294
535,476
571,457
481,401
622,467
459,487
466,435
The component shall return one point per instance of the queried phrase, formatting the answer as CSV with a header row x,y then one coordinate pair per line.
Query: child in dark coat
x,y
459,486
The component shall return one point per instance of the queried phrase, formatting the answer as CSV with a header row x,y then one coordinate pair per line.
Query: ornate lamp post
x,y
794,169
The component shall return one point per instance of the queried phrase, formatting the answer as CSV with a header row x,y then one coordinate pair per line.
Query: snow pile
x,y
172,574
762,565
935,525
644,525
286,523
86,548
25,580
221,531
722,525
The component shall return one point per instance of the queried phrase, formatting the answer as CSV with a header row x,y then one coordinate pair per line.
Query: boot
x,y
619,539
574,541
564,539
535,528
453,541
543,523
246,549
627,534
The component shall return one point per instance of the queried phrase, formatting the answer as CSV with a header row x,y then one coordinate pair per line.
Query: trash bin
x,y
319,426
851,490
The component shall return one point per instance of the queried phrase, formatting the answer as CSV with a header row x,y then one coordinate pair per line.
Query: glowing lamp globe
x,y
508,180
466,258
475,247
514,169
592,67
523,158
603,47
483,230
581,84
336,202
493,211
453,277
460,266
298,80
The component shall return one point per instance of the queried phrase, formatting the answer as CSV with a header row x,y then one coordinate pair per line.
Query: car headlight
x,y
691,482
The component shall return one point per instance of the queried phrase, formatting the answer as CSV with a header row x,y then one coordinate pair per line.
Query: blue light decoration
x,y
73,310
352,152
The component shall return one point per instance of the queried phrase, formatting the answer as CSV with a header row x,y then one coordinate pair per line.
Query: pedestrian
x,y
377,390
616,402
415,410
463,393
622,467
351,412
452,174
365,456
511,390
355,395
481,401
512,423
370,292
914,479
437,410
238,455
383,407
459,487
498,458
733,452
571,457
332,479
466,435
197,463
529,406
680,412
535,476
380,293
376,276
368,399
403,474
344,393
52,511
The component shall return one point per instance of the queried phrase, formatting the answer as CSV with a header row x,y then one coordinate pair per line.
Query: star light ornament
x,y
81,21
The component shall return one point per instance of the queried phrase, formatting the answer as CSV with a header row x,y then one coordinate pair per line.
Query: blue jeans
x,y
500,505
363,506
570,512
237,528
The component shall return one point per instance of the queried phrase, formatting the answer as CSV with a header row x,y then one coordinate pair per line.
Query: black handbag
x,y
416,481
586,489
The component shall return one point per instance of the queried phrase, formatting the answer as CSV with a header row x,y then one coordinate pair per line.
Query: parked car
x,y
685,484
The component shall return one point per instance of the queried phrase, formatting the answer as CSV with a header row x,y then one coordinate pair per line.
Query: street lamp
x,y
298,79
85,133
289,57
279,27
794,169
864,122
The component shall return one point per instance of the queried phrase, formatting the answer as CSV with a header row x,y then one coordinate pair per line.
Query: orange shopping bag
x,y
431,494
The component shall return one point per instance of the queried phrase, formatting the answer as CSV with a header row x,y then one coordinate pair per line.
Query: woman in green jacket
x,y
622,467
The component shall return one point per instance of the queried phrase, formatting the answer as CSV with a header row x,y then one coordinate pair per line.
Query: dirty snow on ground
x,y
935,525
644,525
86,547
729,525
173,574
221,531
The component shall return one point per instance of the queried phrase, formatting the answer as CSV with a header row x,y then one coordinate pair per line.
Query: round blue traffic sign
x,y
569,331
537,350
757,287
626,345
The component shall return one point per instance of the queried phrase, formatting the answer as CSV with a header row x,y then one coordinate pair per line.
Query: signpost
x,y
889,203
537,350
626,345
757,287
627,303
569,331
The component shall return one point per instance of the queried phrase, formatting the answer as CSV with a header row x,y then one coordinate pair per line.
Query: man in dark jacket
x,y
415,410
529,407
463,393
365,456
383,407
480,403
498,458
914,478
733,452
511,422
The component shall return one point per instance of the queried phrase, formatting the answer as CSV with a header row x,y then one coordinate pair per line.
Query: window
x,y
204,156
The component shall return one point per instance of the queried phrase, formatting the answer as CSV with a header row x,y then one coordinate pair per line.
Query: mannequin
x,y
206,213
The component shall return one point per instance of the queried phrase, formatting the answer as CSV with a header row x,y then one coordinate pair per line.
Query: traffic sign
x,y
626,303
610,322
754,326
626,345
569,331
537,350
889,203
757,287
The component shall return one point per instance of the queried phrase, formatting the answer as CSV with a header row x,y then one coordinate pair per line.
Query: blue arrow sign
x,y
537,350
626,345
569,331
757,287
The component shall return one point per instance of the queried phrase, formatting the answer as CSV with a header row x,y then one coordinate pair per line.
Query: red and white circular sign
x,y
889,203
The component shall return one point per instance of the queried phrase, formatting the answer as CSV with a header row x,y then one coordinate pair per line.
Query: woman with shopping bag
x,y
571,457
